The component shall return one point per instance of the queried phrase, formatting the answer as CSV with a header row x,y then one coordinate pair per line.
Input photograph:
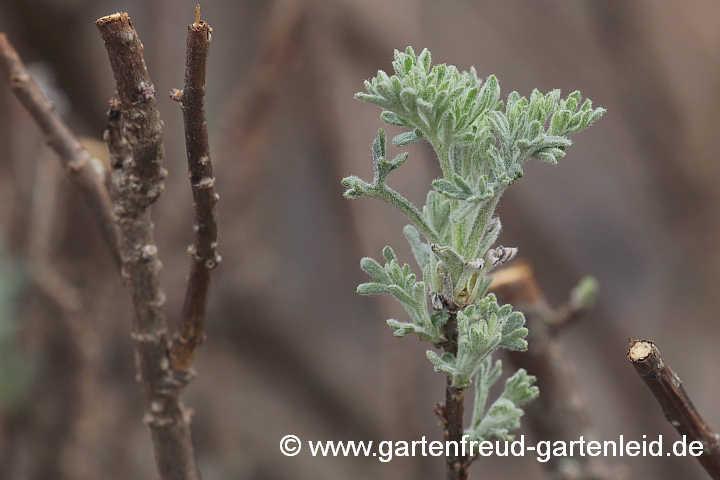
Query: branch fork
x,y
122,210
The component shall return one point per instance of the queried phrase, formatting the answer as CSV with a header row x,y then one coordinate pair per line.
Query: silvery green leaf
x,y
444,363
437,213
515,340
378,145
421,250
425,59
404,328
502,417
392,118
519,388
439,319
406,138
389,254
398,160
372,288
378,100
486,376
463,210
356,187
400,293
453,261
559,122
504,414
375,270
514,321
489,93
447,188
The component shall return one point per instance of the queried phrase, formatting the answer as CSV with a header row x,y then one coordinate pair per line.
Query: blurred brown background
x,y
291,349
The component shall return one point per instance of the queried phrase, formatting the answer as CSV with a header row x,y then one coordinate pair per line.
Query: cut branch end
x,y
641,350
115,17
676,404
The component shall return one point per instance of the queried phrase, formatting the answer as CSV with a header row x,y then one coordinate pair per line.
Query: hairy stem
x,y
390,196
477,232
204,250
443,154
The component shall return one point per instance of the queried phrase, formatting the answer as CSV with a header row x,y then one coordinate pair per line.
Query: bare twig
x,y
86,172
675,402
204,250
559,412
134,139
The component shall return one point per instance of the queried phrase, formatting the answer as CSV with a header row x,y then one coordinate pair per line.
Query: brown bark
x,y
134,139
204,250
452,412
675,402
86,172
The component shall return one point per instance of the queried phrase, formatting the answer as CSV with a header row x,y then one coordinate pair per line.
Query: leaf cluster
x,y
401,283
482,143
437,101
495,422
482,328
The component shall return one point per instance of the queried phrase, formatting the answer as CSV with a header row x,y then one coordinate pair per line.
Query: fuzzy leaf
x,y
375,270
504,414
421,250
444,363
487,375
437,213
453,261
372,288
519,389
401,283
407,138
392,119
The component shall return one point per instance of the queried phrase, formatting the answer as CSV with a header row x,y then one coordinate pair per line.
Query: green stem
x,y
458,229
479,225
443,154
482,386
390,196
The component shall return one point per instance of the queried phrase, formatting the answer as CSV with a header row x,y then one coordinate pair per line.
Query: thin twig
x,y
86,172
134,139
204,250
675,402
559,413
